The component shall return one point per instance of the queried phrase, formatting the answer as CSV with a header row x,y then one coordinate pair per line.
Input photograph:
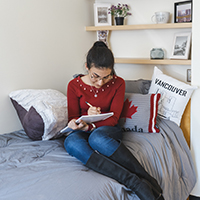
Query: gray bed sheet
x,y
43,170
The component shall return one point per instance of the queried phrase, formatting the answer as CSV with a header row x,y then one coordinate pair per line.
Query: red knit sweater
x,y
110,98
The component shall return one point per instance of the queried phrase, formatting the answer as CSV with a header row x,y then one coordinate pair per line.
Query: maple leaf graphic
x,y
128,111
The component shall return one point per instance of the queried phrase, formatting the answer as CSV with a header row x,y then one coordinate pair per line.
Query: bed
x,y
41,169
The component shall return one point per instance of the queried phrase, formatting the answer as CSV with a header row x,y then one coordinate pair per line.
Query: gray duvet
x,y
42,170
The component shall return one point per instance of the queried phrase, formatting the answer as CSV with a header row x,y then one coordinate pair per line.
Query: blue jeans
x,y
105,140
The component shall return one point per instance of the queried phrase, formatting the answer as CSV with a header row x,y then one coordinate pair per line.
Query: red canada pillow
x,y
139,113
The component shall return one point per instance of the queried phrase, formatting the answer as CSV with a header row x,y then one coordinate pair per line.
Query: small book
x,y
88,119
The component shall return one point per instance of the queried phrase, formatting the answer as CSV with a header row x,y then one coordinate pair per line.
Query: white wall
x,y
195,108
42,43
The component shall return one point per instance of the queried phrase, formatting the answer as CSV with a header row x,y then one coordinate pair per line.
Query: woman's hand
x,y
81,126
94,110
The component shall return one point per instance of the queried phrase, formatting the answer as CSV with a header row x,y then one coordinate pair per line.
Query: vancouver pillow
x,y
174,95
43,113
139,113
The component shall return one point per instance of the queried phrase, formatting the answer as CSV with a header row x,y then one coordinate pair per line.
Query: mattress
x,y
43,170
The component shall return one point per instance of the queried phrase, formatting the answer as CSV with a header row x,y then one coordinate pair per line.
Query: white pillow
x,y
43,113
174,95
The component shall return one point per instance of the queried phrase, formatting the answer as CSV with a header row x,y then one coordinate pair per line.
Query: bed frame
x,y
185,123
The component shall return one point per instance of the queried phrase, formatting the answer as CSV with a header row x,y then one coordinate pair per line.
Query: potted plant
x,y
119,12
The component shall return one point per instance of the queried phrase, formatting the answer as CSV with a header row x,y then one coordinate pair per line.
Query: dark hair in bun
x,y
100,44
100,56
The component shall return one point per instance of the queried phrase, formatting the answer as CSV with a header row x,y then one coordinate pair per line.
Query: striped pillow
x,y
139,113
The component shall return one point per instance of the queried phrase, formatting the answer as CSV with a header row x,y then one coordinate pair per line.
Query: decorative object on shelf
x,y
183,12
119,20
181,46
160,17
101,16
103,36
157,53
188,75
119,12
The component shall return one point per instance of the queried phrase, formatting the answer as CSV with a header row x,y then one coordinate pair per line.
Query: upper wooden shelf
x,y
140,27
147,61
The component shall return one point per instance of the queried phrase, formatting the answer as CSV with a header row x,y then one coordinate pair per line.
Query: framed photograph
x,y
181,46
188,75
102,35
101,16
183,12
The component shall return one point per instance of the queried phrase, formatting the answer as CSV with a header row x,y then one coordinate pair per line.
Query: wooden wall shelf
x,y
145,27
140,27
147,61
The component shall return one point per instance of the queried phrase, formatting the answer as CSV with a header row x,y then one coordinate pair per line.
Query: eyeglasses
x,y
98,78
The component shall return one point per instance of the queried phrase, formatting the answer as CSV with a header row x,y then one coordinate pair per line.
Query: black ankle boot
x,y
105,166
125,158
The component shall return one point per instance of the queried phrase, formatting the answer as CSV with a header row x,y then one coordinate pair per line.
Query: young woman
x,y
98,145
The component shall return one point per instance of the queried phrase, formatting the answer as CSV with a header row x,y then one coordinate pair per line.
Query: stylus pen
x,y
88,104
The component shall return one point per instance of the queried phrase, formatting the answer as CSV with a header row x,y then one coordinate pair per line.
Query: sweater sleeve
x,y
73,101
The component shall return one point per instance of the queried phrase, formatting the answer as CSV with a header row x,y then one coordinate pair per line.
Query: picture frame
x,y
101,16
102,35
183,12
188,75
181,46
